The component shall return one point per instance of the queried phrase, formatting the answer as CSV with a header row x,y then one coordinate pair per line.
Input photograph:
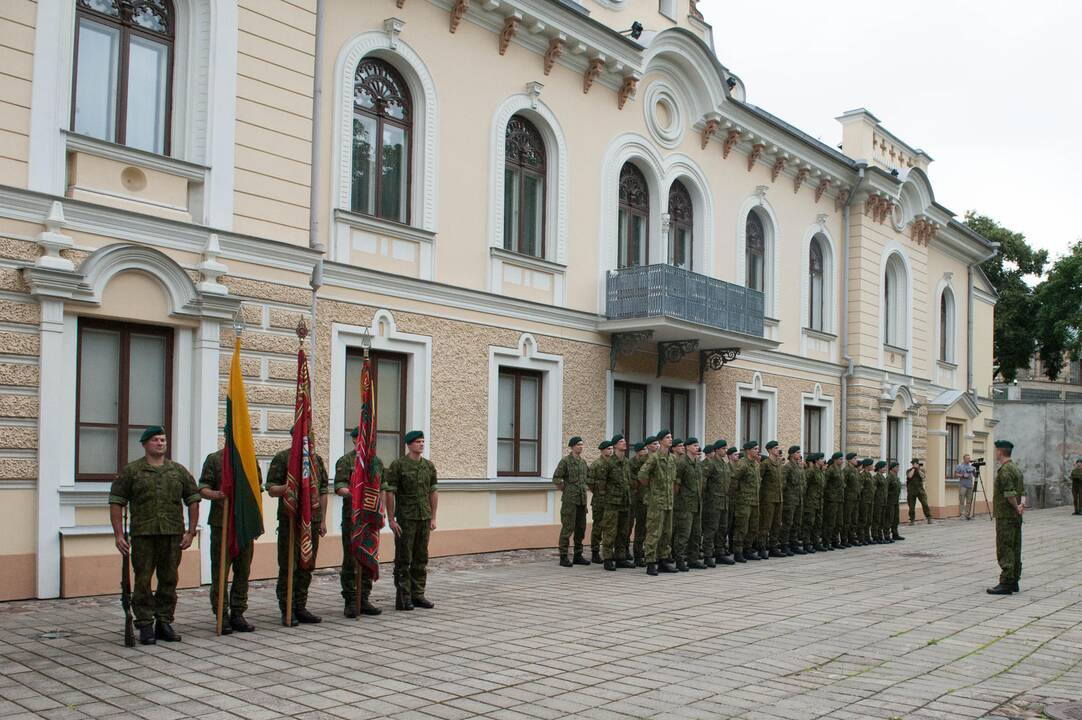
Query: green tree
x,y
1059,312
1016,309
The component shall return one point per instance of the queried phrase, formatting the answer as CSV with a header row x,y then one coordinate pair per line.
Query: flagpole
x,y
223,569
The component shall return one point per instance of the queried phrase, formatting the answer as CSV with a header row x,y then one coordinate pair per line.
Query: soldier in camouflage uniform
x,y
834,535
1076,486
570,477
658,475
894,499
156,489
914,491
595,480
411,498
812,524
771,491
687,509
732,457
793,508
880,532
853,487
1007,508
347,576
716,482
210,483
638,502
867,500
746,515
614,531
276,487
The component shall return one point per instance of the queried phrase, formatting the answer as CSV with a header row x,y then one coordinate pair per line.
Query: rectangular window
x,y
148,81
813,429
389,383
125,383
629,411
953,448
894,438
752,418
676,411
97,64
518,423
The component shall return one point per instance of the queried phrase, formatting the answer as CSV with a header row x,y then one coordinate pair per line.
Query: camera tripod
x,y
984,491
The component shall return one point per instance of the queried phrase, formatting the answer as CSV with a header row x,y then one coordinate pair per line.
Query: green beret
x,y
866,462
616,438
731,450
915,461
605,445
677,442
151,432
413,436
355,432
638,447
772,444
575,440
650,440
749,445
692,441
837,456
850,456
661,434
1004,444
881,464
721,443
893,464
793,449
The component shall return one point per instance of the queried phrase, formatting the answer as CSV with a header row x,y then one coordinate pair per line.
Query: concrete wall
x,y
1047,439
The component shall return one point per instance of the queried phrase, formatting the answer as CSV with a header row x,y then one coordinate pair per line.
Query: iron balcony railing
x,y
667,291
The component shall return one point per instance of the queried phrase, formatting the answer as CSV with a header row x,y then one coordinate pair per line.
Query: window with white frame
x,y
389,381
629,410
953,449
633,226
676,411
755,252
946,325
681,227
752,420
382,128
895,302
816,286
813,429
894,439
518,424
524,188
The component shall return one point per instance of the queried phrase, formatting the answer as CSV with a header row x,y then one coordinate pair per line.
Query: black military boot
x,y
402,601
797,549
682,566
667,567
238,623
293,622
764,554
422,602
740,557
610,565
368,608
898,537
725,560
146,635
595,557
564,562
711,562
651,568
164,631
640,561
751,555
775,552
625,564
928,520
1001,589
350,609
579,559
226,630
306,617
1015,588
697,565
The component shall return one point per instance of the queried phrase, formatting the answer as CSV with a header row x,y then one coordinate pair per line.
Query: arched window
x,y
524,188
755,252
634,217
816,301
895,303
681,226
946,325
123,74
382,124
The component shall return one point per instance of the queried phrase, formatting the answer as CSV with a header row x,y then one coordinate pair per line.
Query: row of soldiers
x,y
673,505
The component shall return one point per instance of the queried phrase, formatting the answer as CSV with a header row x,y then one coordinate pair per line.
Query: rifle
x,y
125,587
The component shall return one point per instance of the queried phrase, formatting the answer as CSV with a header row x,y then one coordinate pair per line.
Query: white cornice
x,y
132,156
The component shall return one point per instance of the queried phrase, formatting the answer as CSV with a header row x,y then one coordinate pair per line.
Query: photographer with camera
x,y
963,472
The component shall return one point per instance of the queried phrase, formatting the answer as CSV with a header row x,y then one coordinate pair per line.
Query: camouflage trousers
x,y
833,525
157,555
597,509
867,514
658,534
614,533
893,515
572,525
687,535
913,498
745,526
769,525
1009,549
236,599
883,515
347,576
852,520
411,556
715,529
792,517
637,522
1076,492
301,578
811,524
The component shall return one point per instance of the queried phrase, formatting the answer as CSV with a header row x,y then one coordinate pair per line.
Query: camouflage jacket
x,y
157,495
412,482
572,472
659,474
689,486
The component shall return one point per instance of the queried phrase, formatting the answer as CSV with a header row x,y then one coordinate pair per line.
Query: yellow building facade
x,y
546,226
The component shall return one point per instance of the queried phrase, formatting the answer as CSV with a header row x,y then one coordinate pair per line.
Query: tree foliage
x,y
1059,312
1016,310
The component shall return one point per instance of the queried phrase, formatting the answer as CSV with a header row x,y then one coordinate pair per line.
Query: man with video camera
x,y
964,472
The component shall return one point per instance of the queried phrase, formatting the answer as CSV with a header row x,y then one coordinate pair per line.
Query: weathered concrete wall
x,y
1047,439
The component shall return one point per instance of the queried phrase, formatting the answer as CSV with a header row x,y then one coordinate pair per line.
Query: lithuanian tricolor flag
x,y
240,473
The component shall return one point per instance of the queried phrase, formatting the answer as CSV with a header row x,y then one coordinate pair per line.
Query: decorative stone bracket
x,y
801,176
756,153
779,167
710,126
593,72
715,359
556,49
821,188
923,230
627,90
878,206
626,343
730,142
510,28
458,10
673,352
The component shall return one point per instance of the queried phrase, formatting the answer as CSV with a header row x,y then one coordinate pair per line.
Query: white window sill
x,y
75,142
947,365
894,349
820,334
384,227
534,263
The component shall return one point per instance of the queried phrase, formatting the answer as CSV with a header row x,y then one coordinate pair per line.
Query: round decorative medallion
x,y
664,117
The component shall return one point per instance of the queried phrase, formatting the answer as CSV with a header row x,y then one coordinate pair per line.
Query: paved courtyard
x,y
896,631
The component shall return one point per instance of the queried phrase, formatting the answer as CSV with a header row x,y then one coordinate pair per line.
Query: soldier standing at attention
x,y
276,487
595,480
687,509
834,536
732,457
716,480
614,531
867,500
880,530
638,502
210,482
570,478
1007,508
411,498
812,523
852,499
746,513
156,489
770,502
1076,486
894,499
793,509
914,490
347,576
658,475
678,448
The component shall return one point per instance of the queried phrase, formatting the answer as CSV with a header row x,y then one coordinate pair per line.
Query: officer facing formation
x,y
571,479
1008,507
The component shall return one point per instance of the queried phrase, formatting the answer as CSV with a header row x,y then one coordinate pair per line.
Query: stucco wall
x,y
1047,439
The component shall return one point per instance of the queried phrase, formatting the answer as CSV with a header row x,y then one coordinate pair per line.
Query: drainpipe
x,y
969,323
317,128
848,372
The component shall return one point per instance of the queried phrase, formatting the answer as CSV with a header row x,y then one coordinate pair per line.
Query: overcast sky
x,y
991,89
